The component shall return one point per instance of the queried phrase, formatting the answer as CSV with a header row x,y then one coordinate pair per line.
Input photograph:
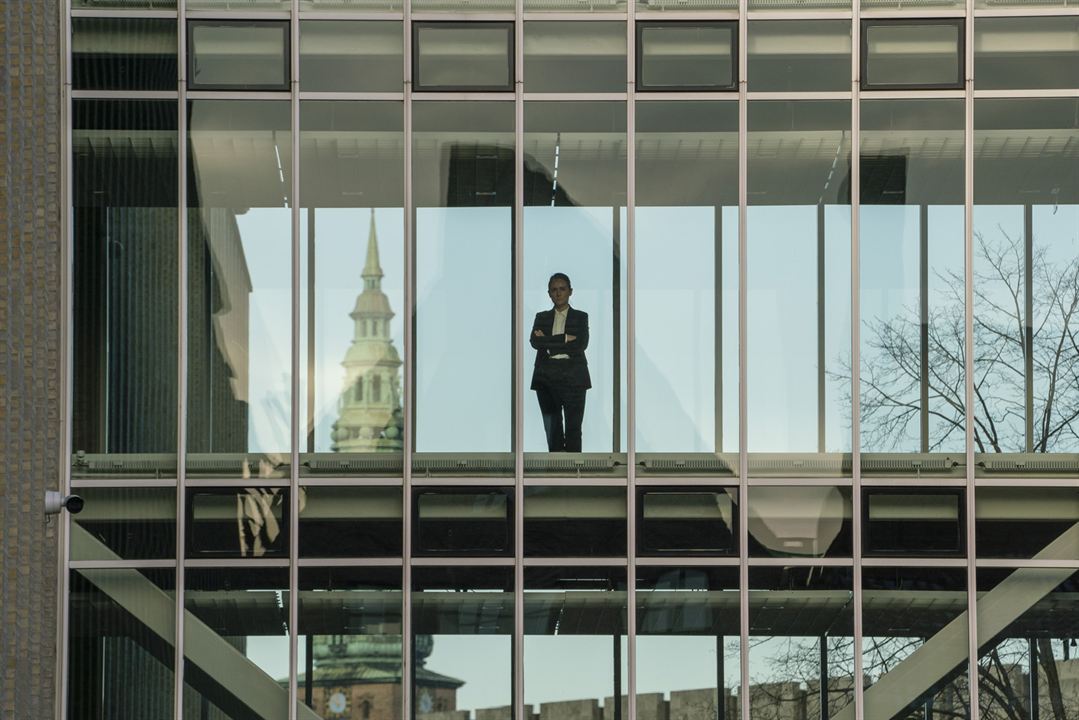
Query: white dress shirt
x,y
559,328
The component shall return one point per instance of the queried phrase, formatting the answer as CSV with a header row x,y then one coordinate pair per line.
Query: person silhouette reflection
x,y
560,377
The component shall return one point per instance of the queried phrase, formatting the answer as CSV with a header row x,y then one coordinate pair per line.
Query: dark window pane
x,y
251,55
350,56
463,56
912,54
237,522
800,521
462,521
687,521
125,523
1026,53
350,522
125,295
123,54
575,56
914,522
574,521
121,640
1040,523
686,56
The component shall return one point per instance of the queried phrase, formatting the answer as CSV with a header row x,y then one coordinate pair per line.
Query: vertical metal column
x,y
67,253
923,325
518,365
408,391
294,417
717,324
968,329
631,368
822,317
855,347
743,455
181,395
1028,324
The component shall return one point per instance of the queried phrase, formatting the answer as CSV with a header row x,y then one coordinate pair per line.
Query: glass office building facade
x,y
830,259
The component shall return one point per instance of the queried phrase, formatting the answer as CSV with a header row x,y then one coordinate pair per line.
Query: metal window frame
x,y
642,25
283,25
652,553
507,492
508,26
959,22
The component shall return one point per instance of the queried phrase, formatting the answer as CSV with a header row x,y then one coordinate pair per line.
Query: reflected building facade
x,y
830,257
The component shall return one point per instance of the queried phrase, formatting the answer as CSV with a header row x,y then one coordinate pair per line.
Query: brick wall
x,y
30,354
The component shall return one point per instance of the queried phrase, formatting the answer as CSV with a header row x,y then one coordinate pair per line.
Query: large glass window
x,y
912,54
688,643
687,287
801,642
1026,259
575,649
1020,522
461,56
236,643
121,638
800,521
352,280
798,288
239,235
125,523
463,365
575,56
799,56
123,54
574,224
912,287
125,296
349,628
351,56
1026,53
1026,626
914,642
231,55
462,624
687,55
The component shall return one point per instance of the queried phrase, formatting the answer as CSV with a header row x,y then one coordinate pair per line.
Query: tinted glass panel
x,y
459,521
350,522
1026,53
572,521
912,280
463,190
351,56
801,644
237,522
676,56
123,54
121,618
914,643
798,55
902,54
348,618
463,624
687,521
687,642
352,281
236,643
238,55
1026,256
125,523
575,57
1027,522
798,304
687,288
463,56
125,295
575,191
800,521
575,639
1025,647
909,522
239,235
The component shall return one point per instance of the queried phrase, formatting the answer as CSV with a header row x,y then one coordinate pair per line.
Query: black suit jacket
x,y
570,372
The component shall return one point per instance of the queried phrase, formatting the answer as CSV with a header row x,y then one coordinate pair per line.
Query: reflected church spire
x,y
369,409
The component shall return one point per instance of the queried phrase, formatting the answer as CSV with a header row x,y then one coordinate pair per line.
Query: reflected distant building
x,y
358,677
369,409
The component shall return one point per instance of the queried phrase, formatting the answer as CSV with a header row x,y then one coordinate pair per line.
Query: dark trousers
x,y
556,401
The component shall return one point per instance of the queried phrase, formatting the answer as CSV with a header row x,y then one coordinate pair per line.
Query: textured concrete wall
x,y
30,355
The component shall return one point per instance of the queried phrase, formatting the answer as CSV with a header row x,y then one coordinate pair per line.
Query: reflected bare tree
x,y
1026,364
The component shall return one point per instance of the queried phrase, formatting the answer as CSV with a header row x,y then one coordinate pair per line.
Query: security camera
x,y
55,502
